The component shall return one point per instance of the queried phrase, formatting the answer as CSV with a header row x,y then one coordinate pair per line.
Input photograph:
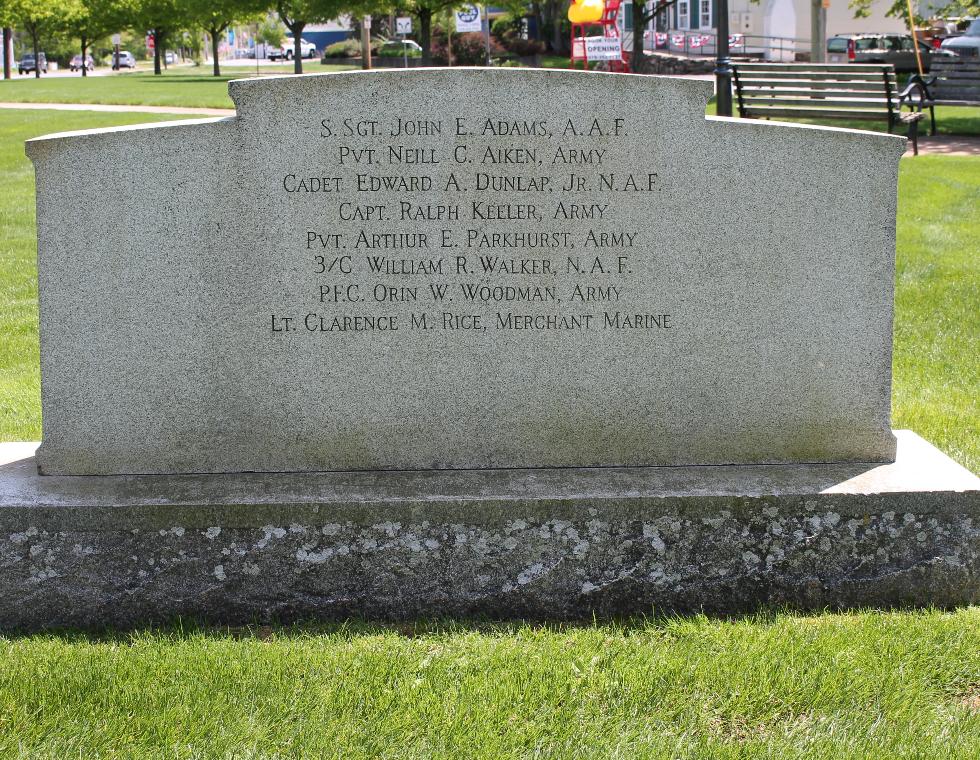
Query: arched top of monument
x,y
518,90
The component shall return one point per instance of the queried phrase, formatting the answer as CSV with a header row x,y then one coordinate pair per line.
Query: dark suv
x,y
27,64
896,49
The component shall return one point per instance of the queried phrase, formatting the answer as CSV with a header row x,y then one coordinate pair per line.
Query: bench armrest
x,y
924,82
916,94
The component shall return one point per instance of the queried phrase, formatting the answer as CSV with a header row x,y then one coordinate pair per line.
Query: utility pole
x,y
723,64
818,30
486,12
366,42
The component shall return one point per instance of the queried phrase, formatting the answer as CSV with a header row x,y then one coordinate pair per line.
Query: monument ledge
x,y
94,551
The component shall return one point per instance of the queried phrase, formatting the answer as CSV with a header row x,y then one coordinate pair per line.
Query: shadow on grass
x,y
184,629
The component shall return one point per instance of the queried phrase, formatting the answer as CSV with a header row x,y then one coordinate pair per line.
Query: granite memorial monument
x,y
470,341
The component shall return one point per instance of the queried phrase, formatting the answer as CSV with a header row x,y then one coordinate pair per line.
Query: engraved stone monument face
x,y
464,269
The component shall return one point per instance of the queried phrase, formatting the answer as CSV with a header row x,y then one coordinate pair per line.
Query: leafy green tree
x,y
215,16
900,9
163,18
40,20
97,19
425,11
270,33
298,14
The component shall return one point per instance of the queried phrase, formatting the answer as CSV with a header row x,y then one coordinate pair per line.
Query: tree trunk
x,y
7,34
557,39
214,49
640,20
297,30
37,54
156,52
425,35
548,20
84,41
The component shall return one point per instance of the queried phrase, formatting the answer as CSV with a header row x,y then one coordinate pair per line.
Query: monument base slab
x,y
94,551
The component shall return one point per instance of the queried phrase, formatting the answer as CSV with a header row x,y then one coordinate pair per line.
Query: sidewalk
x,y
947,145
119,108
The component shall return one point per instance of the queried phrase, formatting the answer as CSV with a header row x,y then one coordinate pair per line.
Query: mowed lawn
x,y
863,685
937,335
187,87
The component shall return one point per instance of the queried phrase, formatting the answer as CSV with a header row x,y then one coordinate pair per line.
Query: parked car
x,y
126,60
966,45
76,63
896,49
27,65
288,50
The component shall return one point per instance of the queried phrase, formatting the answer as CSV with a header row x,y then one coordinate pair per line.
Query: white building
x,y
779,28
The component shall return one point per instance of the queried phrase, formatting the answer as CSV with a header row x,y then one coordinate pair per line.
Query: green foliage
x,y
468,49
271,32
101,18
214,16
161,15
900,9
395,49
349,48
320,11
507,31
41,20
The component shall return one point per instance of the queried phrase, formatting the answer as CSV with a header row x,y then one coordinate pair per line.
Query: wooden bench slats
x,y
973,88
847,68
823,92
815,113
961,64
957,76
793,76
831,105
839,84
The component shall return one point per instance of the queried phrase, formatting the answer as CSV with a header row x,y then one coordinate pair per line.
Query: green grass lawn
x,y
194,87
950,120
863,685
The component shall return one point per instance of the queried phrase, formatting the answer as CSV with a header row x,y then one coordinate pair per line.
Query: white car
x,y
966,45
288,50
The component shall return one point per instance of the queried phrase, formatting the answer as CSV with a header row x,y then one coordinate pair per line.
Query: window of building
x,y
705,14
683,14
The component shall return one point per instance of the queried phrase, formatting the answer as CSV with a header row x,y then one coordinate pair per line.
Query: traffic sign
x,y
403,25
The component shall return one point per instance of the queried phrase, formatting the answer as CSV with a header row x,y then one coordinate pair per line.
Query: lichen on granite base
x,y
547,544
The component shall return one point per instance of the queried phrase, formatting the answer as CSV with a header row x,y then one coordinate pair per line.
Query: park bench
x,y
951,82
866,92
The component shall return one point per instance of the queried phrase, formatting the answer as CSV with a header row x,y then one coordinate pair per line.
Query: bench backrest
x,y
957,79
857,91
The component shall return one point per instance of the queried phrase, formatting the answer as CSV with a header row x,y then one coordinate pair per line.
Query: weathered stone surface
x,y
128,550
758,256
